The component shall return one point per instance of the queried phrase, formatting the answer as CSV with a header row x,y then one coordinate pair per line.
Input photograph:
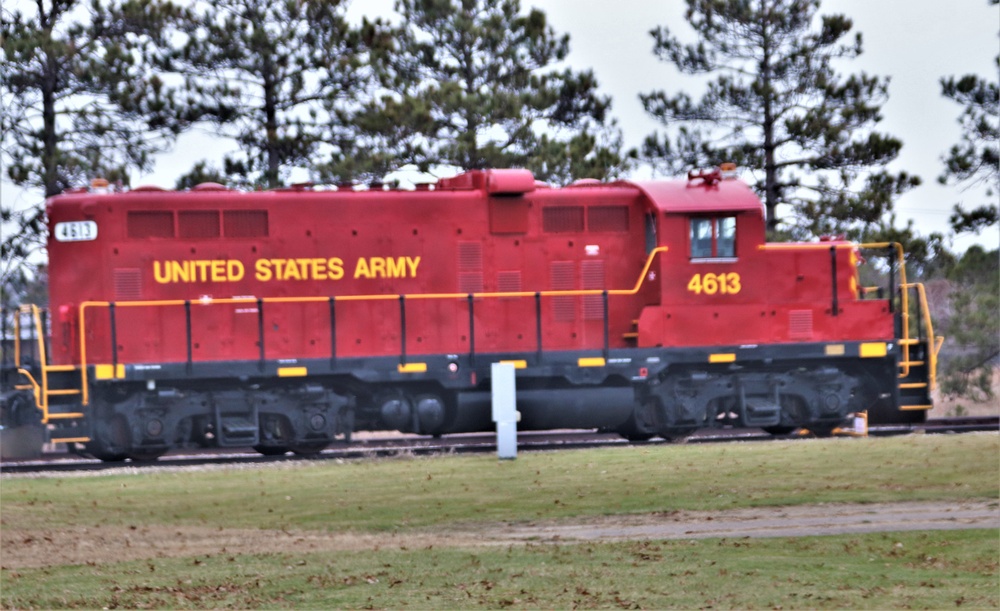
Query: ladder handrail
x,y
40,387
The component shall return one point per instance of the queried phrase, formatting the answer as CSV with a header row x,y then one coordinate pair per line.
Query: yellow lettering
x,y
300,269
377,266
303,268
263,267
734,282
317,270
711,284
181,271
279,268
335,268
412,264
361,269
291,271
163,278
202,268
235,270
218,270
395,267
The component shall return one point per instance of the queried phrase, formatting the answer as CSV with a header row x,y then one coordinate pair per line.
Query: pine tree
x,y
471,84
778,108
79,100
280,78
976,160
974,325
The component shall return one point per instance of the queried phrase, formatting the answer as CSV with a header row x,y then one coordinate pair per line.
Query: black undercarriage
x,y
638,393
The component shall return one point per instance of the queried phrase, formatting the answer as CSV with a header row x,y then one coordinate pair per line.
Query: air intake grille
x,y
607,219
592,276
564,308
562,219
150,224
800,324
128,284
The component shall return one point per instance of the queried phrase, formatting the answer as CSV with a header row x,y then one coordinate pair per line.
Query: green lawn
x,y
925,570
429,496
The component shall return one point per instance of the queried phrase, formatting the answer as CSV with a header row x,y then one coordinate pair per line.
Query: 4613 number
x,y
710,284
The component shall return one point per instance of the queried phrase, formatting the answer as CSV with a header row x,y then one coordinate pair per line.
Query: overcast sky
x,y
915,43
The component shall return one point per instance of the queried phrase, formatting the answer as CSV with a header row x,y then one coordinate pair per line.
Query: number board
x,y
75,231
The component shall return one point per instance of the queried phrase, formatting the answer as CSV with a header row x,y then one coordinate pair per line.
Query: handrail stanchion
x,y
607,346
333,331
114,339
260,331
472,330
187,336
835,306
402,327
538,323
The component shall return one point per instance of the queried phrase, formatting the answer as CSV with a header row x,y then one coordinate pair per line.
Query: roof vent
x,y
209,186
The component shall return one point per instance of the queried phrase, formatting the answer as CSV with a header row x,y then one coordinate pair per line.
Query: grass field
x,y
240,537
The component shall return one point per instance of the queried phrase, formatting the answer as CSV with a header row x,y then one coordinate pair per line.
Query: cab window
x,y
713,237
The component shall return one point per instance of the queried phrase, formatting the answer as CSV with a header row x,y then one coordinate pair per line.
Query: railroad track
x,y
375,446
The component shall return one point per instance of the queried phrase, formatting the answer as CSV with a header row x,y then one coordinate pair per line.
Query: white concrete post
x,y
505,414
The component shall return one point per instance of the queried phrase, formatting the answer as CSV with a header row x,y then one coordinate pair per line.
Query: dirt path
x,y
795,521
98,545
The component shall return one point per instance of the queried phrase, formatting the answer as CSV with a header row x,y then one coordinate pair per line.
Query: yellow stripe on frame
x,y
872,350
292,372
412,367
724,357
516,364
592,361
835,350
109,372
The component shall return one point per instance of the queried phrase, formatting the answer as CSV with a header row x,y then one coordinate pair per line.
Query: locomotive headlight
x,y
453,367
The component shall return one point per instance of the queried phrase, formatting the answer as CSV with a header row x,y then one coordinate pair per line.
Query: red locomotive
x,y
288,318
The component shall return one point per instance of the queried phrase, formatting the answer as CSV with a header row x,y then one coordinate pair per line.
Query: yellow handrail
x,y
34,385
40,388
933,342
382,297
804,245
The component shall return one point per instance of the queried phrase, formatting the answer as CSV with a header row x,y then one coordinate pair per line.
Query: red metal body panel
x,y
341,244
481,232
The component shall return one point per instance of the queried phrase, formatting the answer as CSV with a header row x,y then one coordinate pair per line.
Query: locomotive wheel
x,y
107,456
110,446
637,437
824,430
677,435
271,450
146,455
309,449
779,430
642,424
